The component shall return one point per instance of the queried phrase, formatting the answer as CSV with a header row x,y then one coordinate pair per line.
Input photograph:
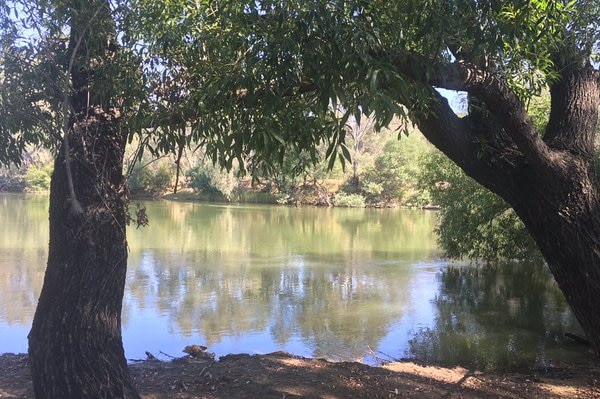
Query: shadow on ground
x,y
282,376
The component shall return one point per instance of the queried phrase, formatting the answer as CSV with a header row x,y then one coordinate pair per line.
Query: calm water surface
x,y
343,284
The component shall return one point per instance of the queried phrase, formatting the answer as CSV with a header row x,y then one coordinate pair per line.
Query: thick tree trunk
x,y
562,212
75,342
557,196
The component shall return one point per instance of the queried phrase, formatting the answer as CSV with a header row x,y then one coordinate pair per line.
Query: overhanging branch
x,y
481,83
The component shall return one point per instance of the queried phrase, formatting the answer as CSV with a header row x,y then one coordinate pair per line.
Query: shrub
x,y
394,173
153,178
283,199
37,177
474,222
215,183
346,200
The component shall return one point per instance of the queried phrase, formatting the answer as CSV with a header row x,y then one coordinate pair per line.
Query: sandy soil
x,y
281,376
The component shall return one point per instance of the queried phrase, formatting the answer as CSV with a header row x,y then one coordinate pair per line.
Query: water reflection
x,y
329,281
315,282
23,253
502,317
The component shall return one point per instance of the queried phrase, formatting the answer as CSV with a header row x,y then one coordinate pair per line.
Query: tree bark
x,y
75,344
561,210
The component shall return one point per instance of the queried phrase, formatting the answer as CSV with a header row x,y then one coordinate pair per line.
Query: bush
x,y
37,177
153,178
394,174
346,200
283,199
213,182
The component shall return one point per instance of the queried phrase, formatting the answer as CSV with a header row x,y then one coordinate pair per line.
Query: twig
x,y
166,354
376,356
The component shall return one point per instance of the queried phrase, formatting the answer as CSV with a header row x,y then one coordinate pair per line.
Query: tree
x,y
256,58
64,91
394,173
357,129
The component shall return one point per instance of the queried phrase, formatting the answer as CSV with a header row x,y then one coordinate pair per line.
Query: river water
x,y
343,284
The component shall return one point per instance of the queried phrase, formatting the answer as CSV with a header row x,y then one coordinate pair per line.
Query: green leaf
x,y
345,153
331,162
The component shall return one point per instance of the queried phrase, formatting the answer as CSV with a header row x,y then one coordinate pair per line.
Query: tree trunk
x,y
557,195
75,344
355,180
549,181
562,213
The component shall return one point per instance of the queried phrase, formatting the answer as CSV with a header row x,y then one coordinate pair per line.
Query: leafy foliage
x,y
152,178
264,78
474,222
395,172
346,200
37,177
212,181
34,70
258,83
252,71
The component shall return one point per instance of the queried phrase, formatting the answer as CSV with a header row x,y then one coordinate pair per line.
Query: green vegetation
x,y
406,171
345,200
394,174
474,222
37,177
214,183
152,178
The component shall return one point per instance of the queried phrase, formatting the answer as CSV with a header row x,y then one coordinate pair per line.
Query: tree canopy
x,y
265,77
257,70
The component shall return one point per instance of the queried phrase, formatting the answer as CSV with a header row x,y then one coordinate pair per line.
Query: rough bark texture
x,y
75,343
549,180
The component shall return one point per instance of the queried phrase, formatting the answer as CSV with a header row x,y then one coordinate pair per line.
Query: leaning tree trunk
x,y
75,344
558,196
548,179
561,210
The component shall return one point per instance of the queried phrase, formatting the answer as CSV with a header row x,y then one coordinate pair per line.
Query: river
x,y
343,284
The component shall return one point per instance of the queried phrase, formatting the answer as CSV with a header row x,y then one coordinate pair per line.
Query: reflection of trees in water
x,y
340,313
336,312
499,317
273,231
303,273
23,253
298,273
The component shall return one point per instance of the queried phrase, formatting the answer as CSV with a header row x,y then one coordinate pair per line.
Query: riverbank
x,y
280,375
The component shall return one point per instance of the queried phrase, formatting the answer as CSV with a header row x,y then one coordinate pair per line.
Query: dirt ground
x,y
280,376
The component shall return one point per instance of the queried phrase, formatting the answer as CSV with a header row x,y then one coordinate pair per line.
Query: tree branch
x,y
76,208
483,84
480,147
